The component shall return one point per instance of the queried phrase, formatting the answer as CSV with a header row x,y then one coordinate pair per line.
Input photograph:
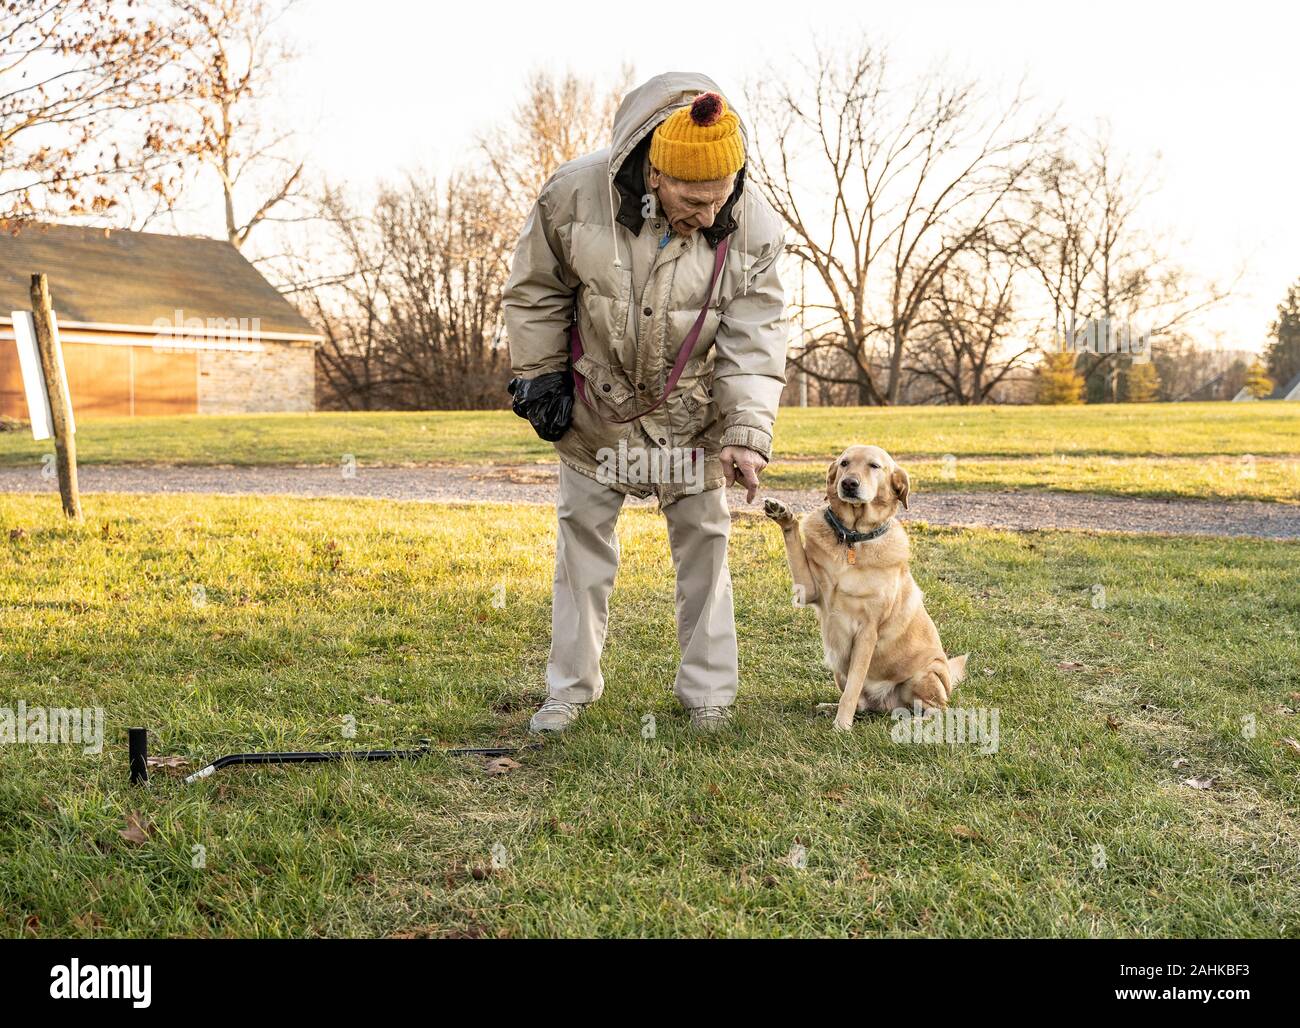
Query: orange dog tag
x,y
853,556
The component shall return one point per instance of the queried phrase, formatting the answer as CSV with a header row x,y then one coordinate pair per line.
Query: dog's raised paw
x,y
778,512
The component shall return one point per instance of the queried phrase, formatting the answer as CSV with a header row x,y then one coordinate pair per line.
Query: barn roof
x,y
114,277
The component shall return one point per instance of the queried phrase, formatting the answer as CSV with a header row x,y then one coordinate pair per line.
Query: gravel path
x,y
537,483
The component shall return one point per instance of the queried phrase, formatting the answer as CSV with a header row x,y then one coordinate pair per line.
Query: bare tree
x,y
449,250
232,56
409,297
881,185
340,287
963,343
558,119
1096,259
84,113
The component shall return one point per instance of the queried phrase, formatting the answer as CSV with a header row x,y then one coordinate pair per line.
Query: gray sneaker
x,y
555,716
710,719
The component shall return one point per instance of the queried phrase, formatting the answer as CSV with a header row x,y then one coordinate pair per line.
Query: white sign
x,y
29,362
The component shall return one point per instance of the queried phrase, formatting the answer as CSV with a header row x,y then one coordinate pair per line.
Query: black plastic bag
x,y
545,402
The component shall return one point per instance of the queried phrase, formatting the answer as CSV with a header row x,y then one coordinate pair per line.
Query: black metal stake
x,y
138,745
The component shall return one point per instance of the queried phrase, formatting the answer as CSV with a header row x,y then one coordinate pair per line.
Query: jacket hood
x,y
638,115
651,102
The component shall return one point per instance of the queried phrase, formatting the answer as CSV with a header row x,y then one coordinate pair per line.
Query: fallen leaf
x,y
170,762
479,872
1292,745
1199,783
136,831
87,921
1069,665
988,671
33,924
965,832
1112,722
498,766
380,699
17,533
1181,762
713,790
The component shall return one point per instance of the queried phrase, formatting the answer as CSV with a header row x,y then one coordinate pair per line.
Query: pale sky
x,y
387,85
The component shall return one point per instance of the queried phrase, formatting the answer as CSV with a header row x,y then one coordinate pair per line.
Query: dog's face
x,y
866,475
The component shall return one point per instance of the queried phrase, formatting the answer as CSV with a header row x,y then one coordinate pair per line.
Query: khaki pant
x,y
586,558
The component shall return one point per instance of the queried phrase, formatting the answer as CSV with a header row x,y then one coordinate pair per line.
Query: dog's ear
x,y
831,472
901,483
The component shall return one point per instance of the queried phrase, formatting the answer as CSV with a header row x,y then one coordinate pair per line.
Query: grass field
x,y
1148,430
227,624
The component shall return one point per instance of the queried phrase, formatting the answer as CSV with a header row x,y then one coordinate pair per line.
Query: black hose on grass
x,y
139,756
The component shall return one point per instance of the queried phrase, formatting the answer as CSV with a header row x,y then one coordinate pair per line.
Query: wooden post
x,y
65,443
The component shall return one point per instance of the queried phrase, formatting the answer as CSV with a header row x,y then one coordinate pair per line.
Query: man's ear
x,y
830,479
901,483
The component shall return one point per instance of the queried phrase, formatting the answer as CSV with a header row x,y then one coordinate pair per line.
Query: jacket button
x,y
605,387
663,442
641,386
647,311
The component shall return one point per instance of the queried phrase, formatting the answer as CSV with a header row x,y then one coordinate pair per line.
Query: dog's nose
x,y
849,485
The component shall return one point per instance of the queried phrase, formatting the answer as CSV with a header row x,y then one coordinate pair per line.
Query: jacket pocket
x,y
693,409
602,383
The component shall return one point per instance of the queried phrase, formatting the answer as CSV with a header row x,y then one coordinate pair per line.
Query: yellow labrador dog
x,y
851,567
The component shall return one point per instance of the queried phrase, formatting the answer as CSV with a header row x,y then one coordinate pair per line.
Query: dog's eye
x,y
876,466
844,463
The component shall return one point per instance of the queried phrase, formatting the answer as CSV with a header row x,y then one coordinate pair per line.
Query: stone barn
x,y
156,324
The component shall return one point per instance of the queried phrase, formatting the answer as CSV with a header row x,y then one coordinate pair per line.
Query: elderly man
x,y
645,281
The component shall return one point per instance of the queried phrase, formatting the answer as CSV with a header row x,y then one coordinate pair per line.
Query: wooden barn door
x,y
13,401
99,379
166,383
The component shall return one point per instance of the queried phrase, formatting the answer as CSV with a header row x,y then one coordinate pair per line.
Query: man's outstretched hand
x,y
742,465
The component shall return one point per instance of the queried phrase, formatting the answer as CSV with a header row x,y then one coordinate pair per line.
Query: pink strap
x,y
683,354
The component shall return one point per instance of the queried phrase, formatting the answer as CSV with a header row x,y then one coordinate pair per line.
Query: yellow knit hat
x,y
699,143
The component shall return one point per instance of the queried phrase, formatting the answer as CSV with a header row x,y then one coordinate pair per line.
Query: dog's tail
x,y
956,669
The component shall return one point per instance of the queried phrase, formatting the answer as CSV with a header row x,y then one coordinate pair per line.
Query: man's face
x,y
689,206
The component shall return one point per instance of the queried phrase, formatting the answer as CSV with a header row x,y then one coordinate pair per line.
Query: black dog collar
x,y
847,536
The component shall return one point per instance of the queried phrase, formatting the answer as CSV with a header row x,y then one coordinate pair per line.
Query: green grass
x,y
1195,478
319,610
1179,429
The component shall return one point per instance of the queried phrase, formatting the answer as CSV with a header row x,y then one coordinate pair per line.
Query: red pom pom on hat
x,y
707,109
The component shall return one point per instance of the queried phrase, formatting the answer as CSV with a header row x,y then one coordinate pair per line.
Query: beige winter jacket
x,y
635,302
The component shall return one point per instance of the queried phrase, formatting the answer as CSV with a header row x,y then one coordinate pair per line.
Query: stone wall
x,y
281,377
